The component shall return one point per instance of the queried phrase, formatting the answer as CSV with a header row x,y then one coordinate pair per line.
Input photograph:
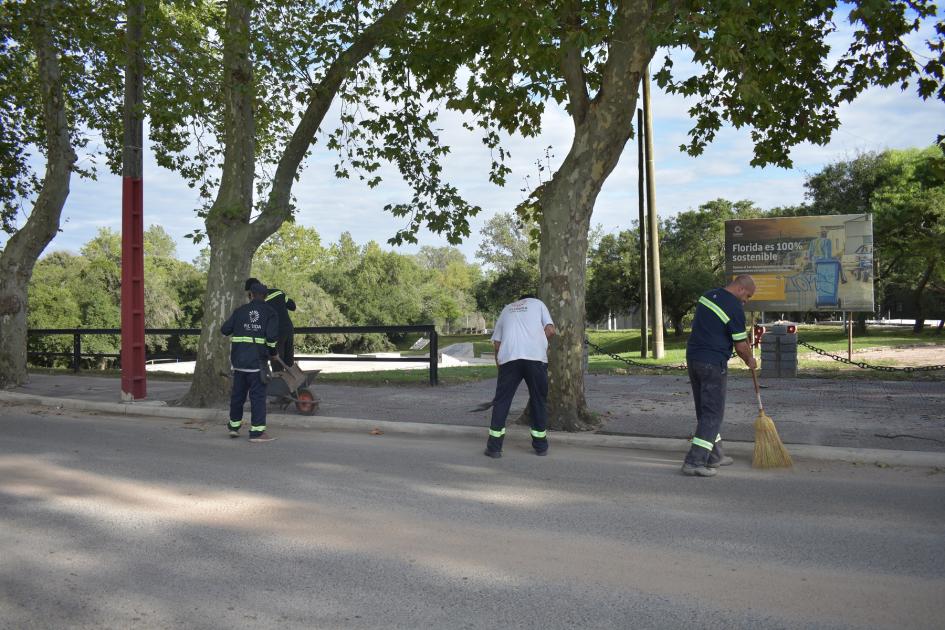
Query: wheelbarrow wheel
x,y
307,403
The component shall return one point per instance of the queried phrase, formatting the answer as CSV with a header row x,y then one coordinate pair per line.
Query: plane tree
x,y
50,89
781,68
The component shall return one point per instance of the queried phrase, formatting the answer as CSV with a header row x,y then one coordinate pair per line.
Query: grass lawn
x,y
626,343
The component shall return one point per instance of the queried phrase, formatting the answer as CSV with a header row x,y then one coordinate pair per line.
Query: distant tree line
x,y
345,283
903,190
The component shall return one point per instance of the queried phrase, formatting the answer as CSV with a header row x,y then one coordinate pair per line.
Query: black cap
x,y
259,289
249,283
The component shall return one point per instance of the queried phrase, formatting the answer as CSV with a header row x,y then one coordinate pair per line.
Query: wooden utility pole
x,y
658,351
644,276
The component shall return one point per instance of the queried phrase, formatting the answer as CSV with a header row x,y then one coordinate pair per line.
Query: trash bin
x,y
827,282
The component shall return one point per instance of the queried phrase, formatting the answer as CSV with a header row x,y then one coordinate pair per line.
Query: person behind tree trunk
x,y
521,353
254,329
285,345
719,324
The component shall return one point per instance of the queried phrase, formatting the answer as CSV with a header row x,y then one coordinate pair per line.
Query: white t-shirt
x,y
521,331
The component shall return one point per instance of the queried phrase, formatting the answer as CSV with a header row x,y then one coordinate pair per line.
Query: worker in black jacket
x,y
281,304
254,328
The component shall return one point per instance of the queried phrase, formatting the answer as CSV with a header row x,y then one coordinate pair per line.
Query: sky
x,y
880,119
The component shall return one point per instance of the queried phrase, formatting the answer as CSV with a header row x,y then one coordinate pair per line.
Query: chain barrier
x,y
820,351
631,362
867,366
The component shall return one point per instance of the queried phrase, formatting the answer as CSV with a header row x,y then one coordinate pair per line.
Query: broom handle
x,y
754,378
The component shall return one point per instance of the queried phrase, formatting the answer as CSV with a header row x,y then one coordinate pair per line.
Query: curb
x,y
153,409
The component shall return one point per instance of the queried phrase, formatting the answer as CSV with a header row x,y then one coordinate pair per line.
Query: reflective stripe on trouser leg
x,y
708,390
535,374
706,445
717,453
236,424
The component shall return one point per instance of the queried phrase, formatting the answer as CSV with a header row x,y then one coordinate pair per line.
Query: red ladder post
x,y
133,377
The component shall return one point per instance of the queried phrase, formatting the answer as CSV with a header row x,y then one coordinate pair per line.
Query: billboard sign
x,y
820,263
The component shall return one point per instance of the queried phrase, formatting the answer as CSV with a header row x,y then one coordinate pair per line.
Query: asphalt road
x,y
895,415
140,523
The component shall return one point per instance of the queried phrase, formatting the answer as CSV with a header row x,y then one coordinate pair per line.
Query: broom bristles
x,y
769,450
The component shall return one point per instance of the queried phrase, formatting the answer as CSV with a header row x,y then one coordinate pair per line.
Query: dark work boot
x,y
691,470
695,464
718,457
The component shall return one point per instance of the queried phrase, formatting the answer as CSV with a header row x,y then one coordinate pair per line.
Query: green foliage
x,y
499,289
509,250
83,33
507,242
448,286
692,246
905,193
69,291
613,270
772,69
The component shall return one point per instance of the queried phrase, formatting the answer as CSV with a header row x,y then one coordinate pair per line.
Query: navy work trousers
x,y
248,383
535,375
708,382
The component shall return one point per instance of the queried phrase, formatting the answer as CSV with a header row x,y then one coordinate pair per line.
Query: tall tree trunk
x,y
917,298
24,248
602,126
860,326
234,239
228,218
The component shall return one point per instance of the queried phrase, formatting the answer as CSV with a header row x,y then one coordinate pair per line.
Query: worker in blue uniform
x,y
717,328
253,329
281,304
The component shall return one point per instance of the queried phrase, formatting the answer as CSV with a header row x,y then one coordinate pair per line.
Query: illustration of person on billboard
x,y
827,270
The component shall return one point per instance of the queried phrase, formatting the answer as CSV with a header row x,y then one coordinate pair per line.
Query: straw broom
x,y
769,451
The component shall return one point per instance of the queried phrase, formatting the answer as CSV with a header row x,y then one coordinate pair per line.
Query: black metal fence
x,y
76,355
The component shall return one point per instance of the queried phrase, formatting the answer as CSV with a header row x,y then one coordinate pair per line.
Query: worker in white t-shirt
x,y
521,352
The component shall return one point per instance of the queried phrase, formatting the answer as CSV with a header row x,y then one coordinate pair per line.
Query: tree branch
x,y
572,66
321,96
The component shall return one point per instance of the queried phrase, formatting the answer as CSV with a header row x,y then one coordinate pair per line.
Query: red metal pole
x,y
133,376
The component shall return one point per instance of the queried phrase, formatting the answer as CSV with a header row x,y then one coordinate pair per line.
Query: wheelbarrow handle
x,y
281,362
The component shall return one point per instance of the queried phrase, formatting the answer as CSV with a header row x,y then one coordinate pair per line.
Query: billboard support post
x,y
849,336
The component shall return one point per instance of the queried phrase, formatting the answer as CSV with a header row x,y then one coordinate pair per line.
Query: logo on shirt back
x,y
254,316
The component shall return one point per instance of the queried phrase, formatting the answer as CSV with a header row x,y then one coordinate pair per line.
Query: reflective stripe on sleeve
x,y
496,434
739,336
260,340
703,443
273,295
712,306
